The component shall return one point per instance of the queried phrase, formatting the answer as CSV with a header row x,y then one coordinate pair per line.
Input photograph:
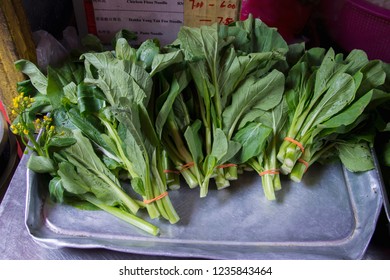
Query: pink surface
x,y
288,16
358,24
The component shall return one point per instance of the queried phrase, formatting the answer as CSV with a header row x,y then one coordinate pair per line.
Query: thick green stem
x,y
293,153
296,124
125,216
220,179
204,187
267,180
164,204
231,173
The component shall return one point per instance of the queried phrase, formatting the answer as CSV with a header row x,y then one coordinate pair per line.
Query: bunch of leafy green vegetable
x,y
106,97
233,71
329,99
76,169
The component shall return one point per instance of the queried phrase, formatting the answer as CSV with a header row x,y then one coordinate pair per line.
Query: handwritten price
x,y
196,4
225,21
223,5
228,5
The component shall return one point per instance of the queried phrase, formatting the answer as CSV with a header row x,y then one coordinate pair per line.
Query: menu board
x,y
149,19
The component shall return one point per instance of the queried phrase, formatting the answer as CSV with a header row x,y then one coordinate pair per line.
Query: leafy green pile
x,y
331,100
217,101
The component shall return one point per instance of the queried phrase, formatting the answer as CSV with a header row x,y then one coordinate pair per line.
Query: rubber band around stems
x,y
226,165
148,201
270,171
299,144
304,162
182,168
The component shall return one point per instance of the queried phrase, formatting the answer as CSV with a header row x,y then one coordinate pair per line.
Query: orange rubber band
x,y
148,201
271,171
304,162
226,165
300,146
182,168
187,165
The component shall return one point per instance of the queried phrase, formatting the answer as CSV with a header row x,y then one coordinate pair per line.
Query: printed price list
x,y
149,19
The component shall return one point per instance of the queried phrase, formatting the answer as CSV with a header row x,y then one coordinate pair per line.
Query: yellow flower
x,y
25,131
14,129
47,119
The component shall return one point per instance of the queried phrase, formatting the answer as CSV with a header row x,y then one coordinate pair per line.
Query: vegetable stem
x,y
125,216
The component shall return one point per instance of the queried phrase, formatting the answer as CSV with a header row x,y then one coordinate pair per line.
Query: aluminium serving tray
x,y
331,214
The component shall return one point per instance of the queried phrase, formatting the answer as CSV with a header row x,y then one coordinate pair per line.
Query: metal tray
x,y
332,214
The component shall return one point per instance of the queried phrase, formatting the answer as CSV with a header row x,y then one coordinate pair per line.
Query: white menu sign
x,y
149,19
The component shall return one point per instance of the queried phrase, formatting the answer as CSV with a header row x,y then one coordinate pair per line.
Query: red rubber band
x,y
271,171
300,146
148,201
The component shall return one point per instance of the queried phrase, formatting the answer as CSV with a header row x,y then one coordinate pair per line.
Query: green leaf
x,y
163,60
350,114
252,138
232,151
55,85
373,76
61,142
340,93
100,60
138,185
356,157
194,141
90,99
260,37
179,82
40,164
83,153
91,130
209,164
220,145
31,70
70,179
125,35
92,43
147,52
124,51
92,171
70,92
56,189
264,93
120,78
